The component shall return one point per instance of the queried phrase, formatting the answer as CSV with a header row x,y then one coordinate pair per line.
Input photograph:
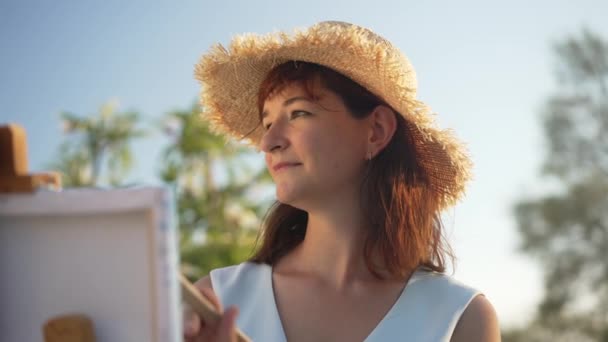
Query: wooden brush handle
x,y
203,307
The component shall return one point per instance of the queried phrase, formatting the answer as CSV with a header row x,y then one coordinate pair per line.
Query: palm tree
x,y
94,140
215,181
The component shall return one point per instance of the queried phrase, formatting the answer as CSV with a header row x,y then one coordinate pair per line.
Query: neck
x,y
333,247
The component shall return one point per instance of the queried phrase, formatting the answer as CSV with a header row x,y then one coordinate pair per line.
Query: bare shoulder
x,y
204,283
478,323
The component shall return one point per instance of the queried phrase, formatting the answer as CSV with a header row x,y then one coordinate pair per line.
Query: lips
x,y
283,166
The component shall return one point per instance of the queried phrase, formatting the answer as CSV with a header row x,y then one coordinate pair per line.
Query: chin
x,y
292,198
284,198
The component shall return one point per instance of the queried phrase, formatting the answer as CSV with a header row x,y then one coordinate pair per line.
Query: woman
x,y
353,249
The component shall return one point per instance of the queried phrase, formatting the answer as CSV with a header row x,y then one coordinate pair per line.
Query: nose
x,y
274,139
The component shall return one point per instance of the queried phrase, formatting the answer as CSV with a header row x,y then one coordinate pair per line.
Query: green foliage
x,y
218,189
200,259
74,164
217,193
95,140
568,230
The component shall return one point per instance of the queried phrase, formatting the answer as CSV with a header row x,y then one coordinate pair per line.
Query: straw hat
x,y
230,79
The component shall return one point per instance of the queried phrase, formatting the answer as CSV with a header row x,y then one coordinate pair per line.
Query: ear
x,y
383,125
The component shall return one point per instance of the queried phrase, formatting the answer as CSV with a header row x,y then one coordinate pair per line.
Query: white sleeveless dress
x,y
427,310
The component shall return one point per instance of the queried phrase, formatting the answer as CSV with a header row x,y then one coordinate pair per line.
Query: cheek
x,y
340,156
349,151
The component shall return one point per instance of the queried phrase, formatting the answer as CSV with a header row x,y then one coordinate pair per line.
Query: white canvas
x,y
108,254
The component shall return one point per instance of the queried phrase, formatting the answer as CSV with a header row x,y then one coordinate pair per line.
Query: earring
x,y
369,155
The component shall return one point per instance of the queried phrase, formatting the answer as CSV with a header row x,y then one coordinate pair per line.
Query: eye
x,y
297,113
292,115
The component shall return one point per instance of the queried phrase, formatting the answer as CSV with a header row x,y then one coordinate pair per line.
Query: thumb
x,y
227,328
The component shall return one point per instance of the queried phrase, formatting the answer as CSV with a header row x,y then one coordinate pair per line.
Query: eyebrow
x,y
288,102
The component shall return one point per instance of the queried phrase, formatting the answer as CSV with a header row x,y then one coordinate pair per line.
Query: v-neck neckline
x,y
389,313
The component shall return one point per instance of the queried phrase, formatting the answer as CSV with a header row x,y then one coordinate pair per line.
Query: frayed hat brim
x,y
231,77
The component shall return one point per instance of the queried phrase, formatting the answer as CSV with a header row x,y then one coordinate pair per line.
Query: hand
x,y
197,330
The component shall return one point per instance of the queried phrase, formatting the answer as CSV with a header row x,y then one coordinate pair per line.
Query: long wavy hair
x,y
405,228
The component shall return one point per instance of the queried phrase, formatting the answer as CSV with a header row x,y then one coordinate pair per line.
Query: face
x,y
314,149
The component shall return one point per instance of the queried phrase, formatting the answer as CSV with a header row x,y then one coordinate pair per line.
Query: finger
x,y
209,294
194,339
227,328
191,323
208,333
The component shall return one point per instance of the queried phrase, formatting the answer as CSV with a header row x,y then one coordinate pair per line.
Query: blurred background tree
x,y
220,188
94,142
567,229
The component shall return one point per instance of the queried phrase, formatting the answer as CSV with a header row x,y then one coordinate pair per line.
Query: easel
x,y
14,175
15,178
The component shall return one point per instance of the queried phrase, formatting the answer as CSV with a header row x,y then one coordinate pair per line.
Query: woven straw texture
x,y
230,79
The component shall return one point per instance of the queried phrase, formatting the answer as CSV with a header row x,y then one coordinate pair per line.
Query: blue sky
x,y
484,67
